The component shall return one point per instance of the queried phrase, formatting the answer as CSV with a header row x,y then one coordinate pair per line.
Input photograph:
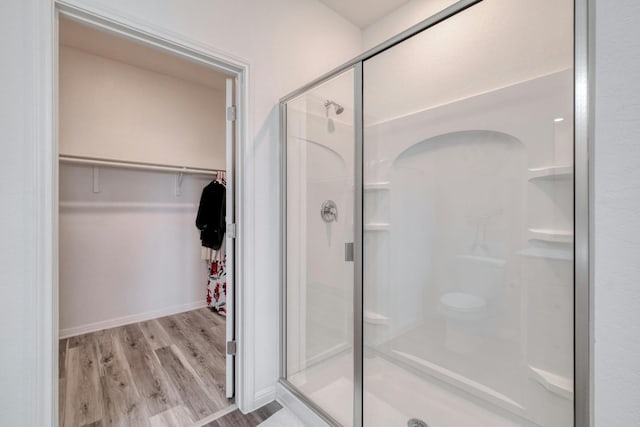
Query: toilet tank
x,y
480,275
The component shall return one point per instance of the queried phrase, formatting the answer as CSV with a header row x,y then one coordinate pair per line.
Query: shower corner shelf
x,y
374,318
553,236
547,253
554,383
377,226
377,186
550,172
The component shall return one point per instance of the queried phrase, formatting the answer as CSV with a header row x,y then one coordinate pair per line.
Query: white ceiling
x,y
363,13
108,45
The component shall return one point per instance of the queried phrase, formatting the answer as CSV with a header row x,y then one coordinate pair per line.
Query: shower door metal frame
x,y
282,365
584,25
358,265
583,148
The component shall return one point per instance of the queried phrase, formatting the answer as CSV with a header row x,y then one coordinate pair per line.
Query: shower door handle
x,y
348,252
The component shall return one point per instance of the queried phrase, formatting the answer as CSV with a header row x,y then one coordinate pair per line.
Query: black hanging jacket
x,y
211,215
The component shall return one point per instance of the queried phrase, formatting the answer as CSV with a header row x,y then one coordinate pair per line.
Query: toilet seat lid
x,y
462,302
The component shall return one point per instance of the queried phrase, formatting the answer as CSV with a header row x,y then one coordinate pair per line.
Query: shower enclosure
x,y
434,225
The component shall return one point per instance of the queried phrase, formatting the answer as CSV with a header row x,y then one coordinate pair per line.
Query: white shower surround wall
x,y
524,114
522,119
320,281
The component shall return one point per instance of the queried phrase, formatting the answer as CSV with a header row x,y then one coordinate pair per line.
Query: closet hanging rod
x,y
93,161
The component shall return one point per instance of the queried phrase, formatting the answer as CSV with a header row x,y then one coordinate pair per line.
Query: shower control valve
x,y
329,211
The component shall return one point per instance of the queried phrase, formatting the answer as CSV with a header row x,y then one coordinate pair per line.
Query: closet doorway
x,y
147,139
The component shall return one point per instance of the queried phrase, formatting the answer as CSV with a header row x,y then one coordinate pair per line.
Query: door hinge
x,y
231,230
231,113
231,348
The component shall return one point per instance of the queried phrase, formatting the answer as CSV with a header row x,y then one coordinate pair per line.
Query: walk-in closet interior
x,y
429,232
142,153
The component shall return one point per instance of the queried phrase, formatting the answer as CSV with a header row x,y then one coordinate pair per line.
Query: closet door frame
x,y
157,38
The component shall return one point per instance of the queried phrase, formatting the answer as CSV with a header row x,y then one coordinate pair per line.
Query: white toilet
x,y
479,281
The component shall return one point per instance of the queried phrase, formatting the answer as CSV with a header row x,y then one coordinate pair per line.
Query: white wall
x,y
617,214
400,19
473,52
130,251
25,27
115,110
287,42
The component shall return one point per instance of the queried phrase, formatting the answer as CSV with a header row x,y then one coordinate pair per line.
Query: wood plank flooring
x,y
238,419
162,372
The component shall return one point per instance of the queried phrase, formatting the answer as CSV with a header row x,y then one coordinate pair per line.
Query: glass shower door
x,y
320,143
468,221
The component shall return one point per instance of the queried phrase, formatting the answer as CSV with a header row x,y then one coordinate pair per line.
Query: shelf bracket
x,y
96,179
179,179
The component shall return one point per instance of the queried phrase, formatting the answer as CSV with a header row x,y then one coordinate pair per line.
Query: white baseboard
x,y
127,320
221,413
262,397
299,408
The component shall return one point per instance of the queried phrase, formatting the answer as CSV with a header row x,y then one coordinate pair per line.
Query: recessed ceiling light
x,y
558,119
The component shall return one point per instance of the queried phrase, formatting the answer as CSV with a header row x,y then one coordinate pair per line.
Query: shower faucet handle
x,y
329,211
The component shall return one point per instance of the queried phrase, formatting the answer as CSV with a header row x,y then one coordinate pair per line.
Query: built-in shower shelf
x,y
377,186
374,318
548,253
555,383
554,236
552,172
377,226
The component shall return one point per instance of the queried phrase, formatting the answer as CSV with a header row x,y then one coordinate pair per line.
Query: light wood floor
x,y
163,372
238,419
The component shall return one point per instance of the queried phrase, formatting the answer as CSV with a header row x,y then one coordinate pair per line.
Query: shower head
x,y
339,108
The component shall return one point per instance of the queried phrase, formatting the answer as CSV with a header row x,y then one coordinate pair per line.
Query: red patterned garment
x,y
217,286
217,283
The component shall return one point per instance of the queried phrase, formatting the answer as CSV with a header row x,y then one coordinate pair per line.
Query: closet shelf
x,y
548,235
377,226
551,172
